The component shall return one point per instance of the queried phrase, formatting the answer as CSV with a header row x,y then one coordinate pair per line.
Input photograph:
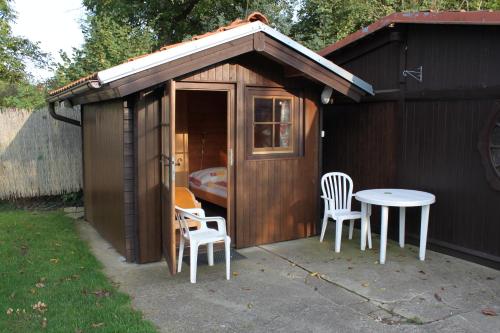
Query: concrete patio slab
x,y
302,286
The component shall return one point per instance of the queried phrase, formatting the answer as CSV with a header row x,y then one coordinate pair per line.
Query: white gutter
x,y
188,48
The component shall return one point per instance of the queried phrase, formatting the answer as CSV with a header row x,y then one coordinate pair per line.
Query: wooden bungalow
x,y
238,106
433,124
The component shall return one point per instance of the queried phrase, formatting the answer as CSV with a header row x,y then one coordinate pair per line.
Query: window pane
x,y
263,136
282,135
282,110
263,109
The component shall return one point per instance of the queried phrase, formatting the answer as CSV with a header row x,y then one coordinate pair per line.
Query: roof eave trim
x,y
162,57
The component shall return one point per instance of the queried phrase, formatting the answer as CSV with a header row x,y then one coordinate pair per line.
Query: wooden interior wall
x,y
181,140
207,120
103,170
147,115
276,199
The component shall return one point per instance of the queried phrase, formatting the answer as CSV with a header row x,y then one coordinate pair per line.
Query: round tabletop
x,y
395,197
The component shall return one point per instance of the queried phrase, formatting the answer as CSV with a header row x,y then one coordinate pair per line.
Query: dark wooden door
x,y
167,144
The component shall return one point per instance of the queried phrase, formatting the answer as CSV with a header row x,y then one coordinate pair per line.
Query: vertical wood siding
x,y
147,115
276,199
432,132
104,170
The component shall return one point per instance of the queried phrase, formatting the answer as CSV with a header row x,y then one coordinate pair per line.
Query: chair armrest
x,y
196,211
221,223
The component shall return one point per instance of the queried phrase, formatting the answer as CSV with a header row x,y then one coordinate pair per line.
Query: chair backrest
x,y
185,198
182,217
337,187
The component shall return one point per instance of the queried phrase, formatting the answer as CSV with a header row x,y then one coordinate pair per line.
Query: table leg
x,y
363,225
402,216
424,222
368,226
383,233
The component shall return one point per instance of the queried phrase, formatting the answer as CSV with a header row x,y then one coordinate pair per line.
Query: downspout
x,y
66,95
56,116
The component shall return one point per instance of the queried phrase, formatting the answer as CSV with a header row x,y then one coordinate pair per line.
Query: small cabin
x,y
234,115
433,124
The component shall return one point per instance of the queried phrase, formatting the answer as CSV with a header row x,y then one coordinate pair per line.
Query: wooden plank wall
x,y
129,186
439,153
103,170
433,129
276,198
147,140
206,116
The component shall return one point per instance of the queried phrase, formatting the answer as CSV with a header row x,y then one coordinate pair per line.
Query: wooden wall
x,y
103,158
426,135
205,115
276,199
147,140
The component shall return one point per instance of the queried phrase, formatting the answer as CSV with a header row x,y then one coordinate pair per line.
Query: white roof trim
x,y
186,49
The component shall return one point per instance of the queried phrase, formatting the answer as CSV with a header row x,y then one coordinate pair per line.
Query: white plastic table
x,y
394,198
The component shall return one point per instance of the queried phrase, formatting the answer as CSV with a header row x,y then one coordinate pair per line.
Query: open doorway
x,y
201,148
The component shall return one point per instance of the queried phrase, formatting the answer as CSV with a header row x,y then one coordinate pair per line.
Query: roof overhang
x,y
116,80
447,17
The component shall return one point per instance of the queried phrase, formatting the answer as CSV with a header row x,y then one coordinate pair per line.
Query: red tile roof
x,y
429,17
255,16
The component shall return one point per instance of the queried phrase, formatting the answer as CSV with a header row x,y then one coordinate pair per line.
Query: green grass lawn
x,y
50,282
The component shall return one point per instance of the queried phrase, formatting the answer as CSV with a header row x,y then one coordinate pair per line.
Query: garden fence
x,y
38,155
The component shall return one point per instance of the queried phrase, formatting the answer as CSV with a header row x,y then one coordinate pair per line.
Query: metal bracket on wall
x,y
417,74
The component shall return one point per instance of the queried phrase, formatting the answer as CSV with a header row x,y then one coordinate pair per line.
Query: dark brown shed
x,y
241,102
434,123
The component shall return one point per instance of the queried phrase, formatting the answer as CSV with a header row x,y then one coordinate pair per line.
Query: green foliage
x,y
16,90
173,21
22,95
107,42
15,51
321,22
44,260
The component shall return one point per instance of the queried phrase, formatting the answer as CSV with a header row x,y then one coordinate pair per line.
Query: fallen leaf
x,y
39,285
95,325
349,267
40,306
316,274
101,293
249,305
236,273
366,284
437,297
54,260
489,312
10,311
421,272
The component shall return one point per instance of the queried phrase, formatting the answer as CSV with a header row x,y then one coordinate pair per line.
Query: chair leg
x,y
351,228
210,254
193,261
338,234
227,244
181,254
369,234
323,227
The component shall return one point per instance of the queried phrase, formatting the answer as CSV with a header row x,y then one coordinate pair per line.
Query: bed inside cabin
x,y
201,147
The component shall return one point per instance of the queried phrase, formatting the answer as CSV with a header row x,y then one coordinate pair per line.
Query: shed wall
x,y
426,135
103,167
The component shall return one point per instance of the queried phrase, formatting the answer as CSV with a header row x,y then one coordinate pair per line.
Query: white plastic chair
x,y
337,194
204,235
